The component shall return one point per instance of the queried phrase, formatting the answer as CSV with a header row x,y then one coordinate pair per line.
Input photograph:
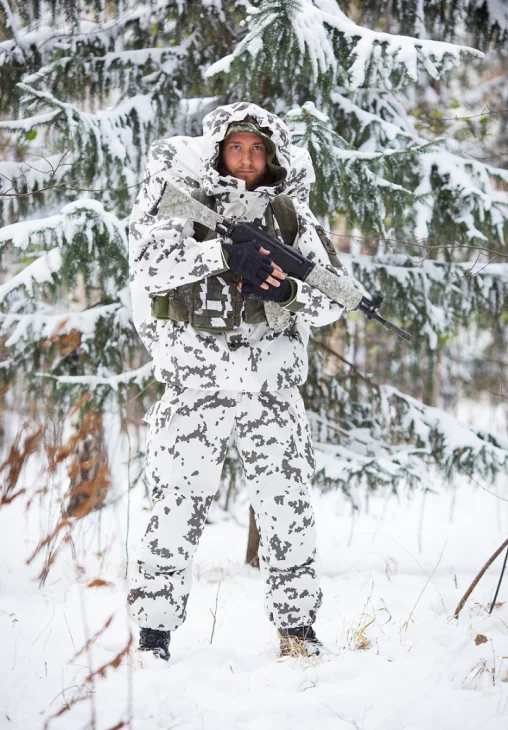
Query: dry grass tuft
x,y
87,691
293,647
26,443
357,638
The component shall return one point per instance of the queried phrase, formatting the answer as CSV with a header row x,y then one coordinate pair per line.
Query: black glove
x,y
272,294
244,259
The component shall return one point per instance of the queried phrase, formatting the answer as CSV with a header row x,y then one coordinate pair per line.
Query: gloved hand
x,y
245,259
272,294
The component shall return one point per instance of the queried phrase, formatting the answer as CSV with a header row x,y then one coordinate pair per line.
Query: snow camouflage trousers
x,y
188,436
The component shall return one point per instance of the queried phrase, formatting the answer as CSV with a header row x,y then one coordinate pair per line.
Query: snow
x,y
133,377
319,26
42,325
35,174
30,122
498,12
75,216
39,271
392,576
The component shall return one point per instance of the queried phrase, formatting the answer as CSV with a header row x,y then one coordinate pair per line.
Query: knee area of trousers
x,y
282,555
163,561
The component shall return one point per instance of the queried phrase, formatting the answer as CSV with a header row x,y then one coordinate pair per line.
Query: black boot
x,y
300,641
156,642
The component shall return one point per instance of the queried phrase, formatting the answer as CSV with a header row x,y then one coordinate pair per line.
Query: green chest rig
x,y
214,303
224,304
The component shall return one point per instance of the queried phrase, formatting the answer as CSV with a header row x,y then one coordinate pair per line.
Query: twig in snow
x,y
420,521
478,577
214,614
406,623
481,485
499,582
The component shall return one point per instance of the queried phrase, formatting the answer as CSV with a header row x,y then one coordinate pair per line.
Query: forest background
x,y
403,108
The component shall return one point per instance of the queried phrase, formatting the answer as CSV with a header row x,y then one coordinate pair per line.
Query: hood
x,y
295,161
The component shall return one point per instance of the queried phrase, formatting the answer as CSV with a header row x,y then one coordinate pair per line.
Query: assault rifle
x,y
178,203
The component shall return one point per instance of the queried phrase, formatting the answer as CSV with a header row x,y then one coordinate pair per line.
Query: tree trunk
x,y
253,541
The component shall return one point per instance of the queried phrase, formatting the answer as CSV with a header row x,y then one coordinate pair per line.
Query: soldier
x,y
225,369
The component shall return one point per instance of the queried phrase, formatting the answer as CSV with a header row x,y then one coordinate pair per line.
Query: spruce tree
x,y
85,88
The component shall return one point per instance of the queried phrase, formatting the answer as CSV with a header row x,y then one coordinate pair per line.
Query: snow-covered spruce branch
x,y
29,44
457,445
30,123
345,467
41,325
81,215
318,35
399,177
43,270
106,138
395,134
415,435
154,70
109,382
433,299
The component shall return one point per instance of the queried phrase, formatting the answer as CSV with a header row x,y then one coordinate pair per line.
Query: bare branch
x,y
478,577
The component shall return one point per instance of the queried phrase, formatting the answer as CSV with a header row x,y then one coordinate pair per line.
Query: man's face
x,y
244,156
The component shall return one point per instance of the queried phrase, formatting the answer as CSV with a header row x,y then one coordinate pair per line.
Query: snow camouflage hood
x,y
294,160
192,162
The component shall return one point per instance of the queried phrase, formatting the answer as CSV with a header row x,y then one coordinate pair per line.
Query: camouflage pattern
x,y
189,431
218,383
164,255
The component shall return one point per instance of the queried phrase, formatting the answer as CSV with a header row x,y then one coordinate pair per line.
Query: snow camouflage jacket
x,y
164,255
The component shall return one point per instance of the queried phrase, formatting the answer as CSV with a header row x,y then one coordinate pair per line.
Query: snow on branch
x,y
42,40
382,172
91,382
74,217
106,137
40,271
26,125
434,429
414,435
317,35
473,198
21,180
42,325
431,298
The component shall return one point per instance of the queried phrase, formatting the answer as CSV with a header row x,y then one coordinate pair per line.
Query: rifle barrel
x,y
392,327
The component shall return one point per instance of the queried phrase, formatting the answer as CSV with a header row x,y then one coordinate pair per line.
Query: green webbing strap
x,y
285,214
329,247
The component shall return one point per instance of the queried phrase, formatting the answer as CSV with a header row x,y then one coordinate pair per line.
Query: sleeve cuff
x,y
222,261
295,301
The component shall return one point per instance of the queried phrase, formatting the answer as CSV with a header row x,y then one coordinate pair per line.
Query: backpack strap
x,y
284,211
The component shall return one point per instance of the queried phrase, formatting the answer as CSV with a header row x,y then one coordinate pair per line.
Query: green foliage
x,y
440,19
86,87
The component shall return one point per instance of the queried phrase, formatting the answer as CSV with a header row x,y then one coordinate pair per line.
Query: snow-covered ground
x,y
395,658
